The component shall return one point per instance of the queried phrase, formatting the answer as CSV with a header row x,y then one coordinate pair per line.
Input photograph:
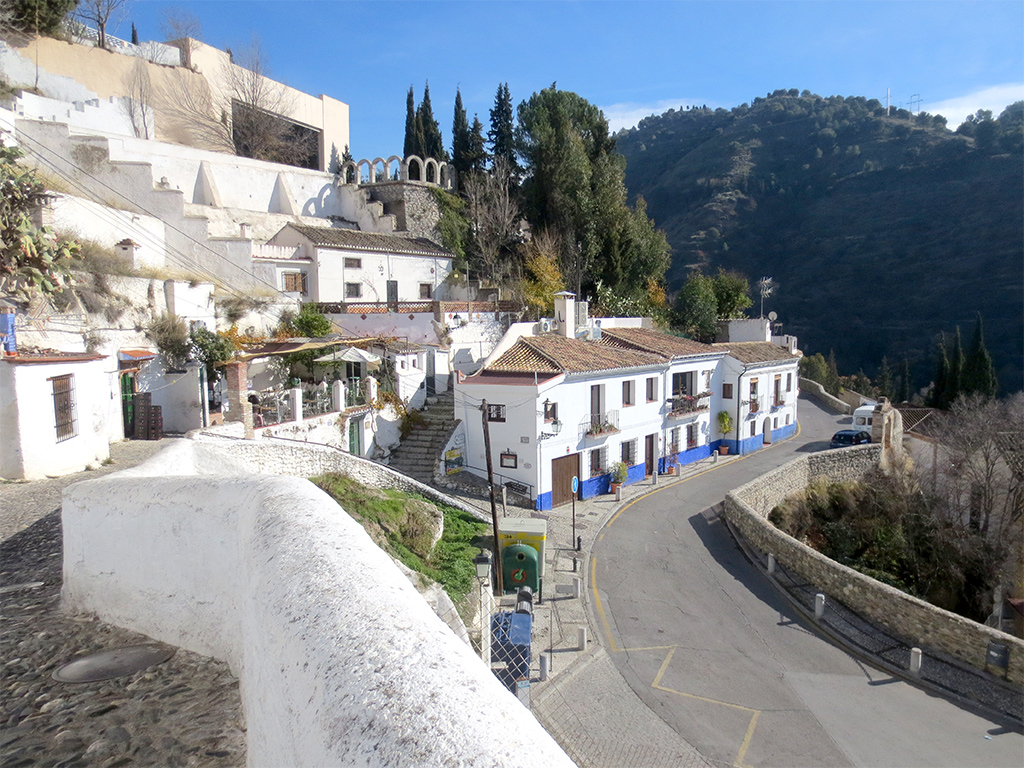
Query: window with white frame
x,y
628,452
628,392
691,436
753,428
652,388
789,382
495,412
598,461
673,441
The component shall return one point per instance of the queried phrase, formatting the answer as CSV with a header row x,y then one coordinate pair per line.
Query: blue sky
x,y
630,58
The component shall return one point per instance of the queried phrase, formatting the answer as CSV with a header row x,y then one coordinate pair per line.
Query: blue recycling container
x,y
510,642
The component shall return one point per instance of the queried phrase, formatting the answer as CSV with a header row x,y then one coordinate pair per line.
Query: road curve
x,y
712,649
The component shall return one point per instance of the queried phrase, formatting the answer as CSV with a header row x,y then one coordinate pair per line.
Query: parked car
x,y
844,438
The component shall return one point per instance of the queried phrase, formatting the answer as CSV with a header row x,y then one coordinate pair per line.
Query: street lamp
x,y
483,574
483,565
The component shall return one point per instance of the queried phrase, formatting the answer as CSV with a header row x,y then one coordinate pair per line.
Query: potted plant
x,y
619,471
725,427
670,463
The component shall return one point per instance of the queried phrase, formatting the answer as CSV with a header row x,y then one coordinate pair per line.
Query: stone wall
x,y
921,623
340,661
413,204
815,390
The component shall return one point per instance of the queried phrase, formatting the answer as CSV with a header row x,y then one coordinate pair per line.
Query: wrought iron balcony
x,y
599,424
685,405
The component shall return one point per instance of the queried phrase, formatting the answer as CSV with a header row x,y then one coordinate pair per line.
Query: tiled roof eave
x,y
369,249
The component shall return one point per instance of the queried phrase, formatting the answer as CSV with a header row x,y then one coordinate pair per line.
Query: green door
x,y
127,403
355,434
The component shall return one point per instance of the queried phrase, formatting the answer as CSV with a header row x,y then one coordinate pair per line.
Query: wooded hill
x,y
880,230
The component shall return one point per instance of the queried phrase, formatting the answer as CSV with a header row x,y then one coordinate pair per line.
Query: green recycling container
x,y
520,567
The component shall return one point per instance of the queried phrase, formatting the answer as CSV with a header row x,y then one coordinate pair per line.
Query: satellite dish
x,y
773,316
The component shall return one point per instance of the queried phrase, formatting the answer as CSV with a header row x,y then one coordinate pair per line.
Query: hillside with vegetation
x,y
880,230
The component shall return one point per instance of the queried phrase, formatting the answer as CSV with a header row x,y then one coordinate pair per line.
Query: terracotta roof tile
x,y
647,340
332,237
555,354
756,351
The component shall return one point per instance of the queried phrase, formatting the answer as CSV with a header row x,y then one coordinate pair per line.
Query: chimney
x,y
246,230
565,313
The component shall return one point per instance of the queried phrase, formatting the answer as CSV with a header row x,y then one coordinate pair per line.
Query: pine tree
x,y
979,375
885,380
411,145
501,137
350,174
906,389
938,393
460,140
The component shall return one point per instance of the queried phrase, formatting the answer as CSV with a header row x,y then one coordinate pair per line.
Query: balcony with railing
x,y
272,407
778,401
356,393
753,404
599,424
682,406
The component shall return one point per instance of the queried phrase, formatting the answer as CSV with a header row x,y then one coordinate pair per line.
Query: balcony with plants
x,y
681,406
599,424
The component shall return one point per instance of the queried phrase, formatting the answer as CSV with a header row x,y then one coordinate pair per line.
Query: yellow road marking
x,y
597,604
754,713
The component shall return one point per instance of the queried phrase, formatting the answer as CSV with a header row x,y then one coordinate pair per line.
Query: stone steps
x,y
420,451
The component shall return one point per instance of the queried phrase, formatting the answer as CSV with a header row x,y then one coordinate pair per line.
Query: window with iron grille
x,y
295,282
629,452
353,290
426,291
789,382
627,392
652,389
691,436
550,411
673,441
64,406
495,412
351,263
598,461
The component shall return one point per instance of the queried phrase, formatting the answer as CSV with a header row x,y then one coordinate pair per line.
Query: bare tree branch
x,y
100,13
138,99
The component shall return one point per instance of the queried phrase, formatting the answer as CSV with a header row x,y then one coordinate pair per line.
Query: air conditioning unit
x,y
546,325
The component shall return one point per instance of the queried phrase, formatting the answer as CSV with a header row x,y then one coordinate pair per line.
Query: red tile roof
x,y
647,340
756,351
350,239
555,354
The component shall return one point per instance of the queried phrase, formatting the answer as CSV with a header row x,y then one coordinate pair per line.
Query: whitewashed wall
x,y
179,395
29,447
340,661
109,226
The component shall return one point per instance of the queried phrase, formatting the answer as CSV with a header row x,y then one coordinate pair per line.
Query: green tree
x,y
31,258
433,143
44,17
543,278
135,35
732,293
979,375
311,324
832,384
454,226
885,380
937,397
954,375
501,136
906,390
412,144
575,187
814,367
210,348
476,154
697,308
461,141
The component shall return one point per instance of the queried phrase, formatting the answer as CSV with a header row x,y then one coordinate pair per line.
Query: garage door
x,y
563,470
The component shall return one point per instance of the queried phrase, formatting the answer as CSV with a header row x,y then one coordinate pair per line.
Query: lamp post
x,y
482,562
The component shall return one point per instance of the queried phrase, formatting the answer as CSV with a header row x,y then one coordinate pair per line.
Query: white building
x,y
332,265
572,403
59,412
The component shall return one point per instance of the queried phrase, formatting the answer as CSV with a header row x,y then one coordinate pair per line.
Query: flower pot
x,y
723,450
670,470
615,487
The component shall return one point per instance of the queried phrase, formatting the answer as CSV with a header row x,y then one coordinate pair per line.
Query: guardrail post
x,y
915,662
296,404
582,635
819,606
543,667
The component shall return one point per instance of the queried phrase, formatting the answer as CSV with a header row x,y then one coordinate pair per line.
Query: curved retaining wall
x,y
747,508
813,389
340,660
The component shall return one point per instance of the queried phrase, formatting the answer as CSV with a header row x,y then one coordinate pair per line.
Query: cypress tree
x,y
885,380
411,146
476,154
906,388
460,140
938,393
955,372
135,35
432,143
501,137
979,375
831,383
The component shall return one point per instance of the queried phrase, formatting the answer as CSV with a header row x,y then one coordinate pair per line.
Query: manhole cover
x,y
119,662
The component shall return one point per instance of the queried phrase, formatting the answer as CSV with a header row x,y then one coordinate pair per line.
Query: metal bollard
x,y
771,564
543,667
915,662
582,638
618,493
577,587
819,605
654,476
579,543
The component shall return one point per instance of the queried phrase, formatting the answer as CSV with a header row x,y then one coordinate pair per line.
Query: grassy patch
x,y
400,524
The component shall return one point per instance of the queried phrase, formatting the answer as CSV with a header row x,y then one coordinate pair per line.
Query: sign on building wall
x,y
453,461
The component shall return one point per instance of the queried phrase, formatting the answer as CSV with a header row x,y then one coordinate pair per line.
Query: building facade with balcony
x,y
560,406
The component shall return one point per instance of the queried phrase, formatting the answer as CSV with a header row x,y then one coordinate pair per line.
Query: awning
x,y
351,355
135,354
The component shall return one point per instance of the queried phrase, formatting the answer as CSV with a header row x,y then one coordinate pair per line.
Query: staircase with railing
x,y
420,450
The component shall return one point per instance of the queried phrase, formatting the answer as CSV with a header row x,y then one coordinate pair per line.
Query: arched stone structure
x,y
348,170
395,175
425,169
359,173
887,430
382,175
432,171
411,162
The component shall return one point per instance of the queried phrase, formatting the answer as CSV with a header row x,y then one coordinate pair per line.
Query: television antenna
x,y
914,99
767,287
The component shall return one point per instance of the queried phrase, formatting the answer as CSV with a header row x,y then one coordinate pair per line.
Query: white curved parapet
x,y
340,660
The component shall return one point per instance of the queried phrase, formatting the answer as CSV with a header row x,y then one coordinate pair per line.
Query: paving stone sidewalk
x,y
184,712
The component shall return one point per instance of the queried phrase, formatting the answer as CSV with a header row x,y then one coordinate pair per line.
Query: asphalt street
x,y
714,651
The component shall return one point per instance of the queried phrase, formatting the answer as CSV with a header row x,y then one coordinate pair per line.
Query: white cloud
x,y
995,98
629,113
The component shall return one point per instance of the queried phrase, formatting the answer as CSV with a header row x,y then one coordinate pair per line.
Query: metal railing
x,y
684,405
598,424
754,405
355,393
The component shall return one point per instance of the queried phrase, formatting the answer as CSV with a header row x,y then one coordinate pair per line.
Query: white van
x,y
862,417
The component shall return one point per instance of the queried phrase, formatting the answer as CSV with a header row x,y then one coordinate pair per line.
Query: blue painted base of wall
x,y
544,501
686,457
596,486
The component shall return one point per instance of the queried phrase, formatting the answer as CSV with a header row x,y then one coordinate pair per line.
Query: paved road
x,y
717,654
